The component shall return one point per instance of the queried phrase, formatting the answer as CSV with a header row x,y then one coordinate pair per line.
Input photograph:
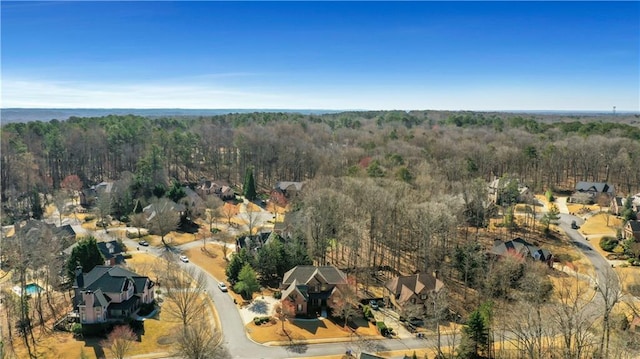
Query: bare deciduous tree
x,y
184,289
163,218
200,341
119,341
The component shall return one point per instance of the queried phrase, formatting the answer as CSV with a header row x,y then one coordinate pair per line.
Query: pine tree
x,y
247,282
86,254
249,185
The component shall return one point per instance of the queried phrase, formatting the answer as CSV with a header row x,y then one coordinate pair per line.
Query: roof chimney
x,y
79,277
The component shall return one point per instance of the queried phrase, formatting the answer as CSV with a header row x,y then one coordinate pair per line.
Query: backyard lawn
x,y
305,329
597,224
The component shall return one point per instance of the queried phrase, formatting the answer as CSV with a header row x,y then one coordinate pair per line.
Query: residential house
x,y
150,212
218,188
523,249
593,190
310,288
193,202
498,185
617,205
632,230
89,195
109,294
285,191
253,242
112,252
414,290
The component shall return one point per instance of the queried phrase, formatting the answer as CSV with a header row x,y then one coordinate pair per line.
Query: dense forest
x,y
386,193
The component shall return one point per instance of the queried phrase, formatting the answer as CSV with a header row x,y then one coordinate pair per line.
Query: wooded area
x,y
385,193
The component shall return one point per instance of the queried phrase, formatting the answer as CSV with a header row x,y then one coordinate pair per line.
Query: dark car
x,y
574,225
374,304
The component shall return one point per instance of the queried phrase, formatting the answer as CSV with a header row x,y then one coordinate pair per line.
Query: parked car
x,y
184,259
574,225
373,304
222,286
144,243
416,322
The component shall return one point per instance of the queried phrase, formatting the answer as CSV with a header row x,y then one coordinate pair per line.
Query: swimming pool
x,y
32,288
29,289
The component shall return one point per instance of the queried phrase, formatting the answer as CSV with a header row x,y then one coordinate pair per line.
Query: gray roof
x,y
101,299
112,280
598,187
284,186
521,247
324,274
635,226
110,249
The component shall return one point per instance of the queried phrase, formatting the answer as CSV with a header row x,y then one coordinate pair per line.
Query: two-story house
x,y
109,294
310,288
412,290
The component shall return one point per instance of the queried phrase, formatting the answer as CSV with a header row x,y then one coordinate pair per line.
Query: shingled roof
x,y
112,280
305,274
406,286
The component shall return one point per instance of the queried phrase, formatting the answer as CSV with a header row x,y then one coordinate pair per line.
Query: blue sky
x,y
322,55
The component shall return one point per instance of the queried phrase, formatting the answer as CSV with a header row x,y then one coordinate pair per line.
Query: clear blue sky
x,y
322,55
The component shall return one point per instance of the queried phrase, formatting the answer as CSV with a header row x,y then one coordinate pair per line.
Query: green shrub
x,y
277,295
382,328
549,195
366,312
608,244
76,329
257,321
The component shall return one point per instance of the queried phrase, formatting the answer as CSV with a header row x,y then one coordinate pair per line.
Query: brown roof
x,y
406,286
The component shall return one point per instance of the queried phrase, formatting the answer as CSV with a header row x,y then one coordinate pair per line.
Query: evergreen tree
x,y
238,261
36,206
475,336
551,217
247,282
176,192
249,186
85,254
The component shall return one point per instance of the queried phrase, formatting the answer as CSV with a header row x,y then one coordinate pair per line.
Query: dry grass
x,y
303,330
629,276
579,208
598,225
211,259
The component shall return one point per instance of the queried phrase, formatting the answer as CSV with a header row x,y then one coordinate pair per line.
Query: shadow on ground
x,y
259,307
309,325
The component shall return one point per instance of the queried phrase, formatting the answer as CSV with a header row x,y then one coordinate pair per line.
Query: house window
x,y
299,309
423,297
413,300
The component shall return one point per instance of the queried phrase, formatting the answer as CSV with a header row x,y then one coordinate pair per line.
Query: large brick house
x,y
310,288
109,294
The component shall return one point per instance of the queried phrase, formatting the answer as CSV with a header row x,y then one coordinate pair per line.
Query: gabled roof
x,y
111,249
407,286
599,187
112,280
287,186
634,225
520,247
296,288
101,299
323,274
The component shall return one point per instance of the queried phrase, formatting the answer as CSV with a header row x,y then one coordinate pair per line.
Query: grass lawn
x,y
579,208
598,225
304,329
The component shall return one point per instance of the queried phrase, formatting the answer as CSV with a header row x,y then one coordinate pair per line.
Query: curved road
x,y
239,345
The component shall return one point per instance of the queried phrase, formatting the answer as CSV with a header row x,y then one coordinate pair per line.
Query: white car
x,y
184,259
222,286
